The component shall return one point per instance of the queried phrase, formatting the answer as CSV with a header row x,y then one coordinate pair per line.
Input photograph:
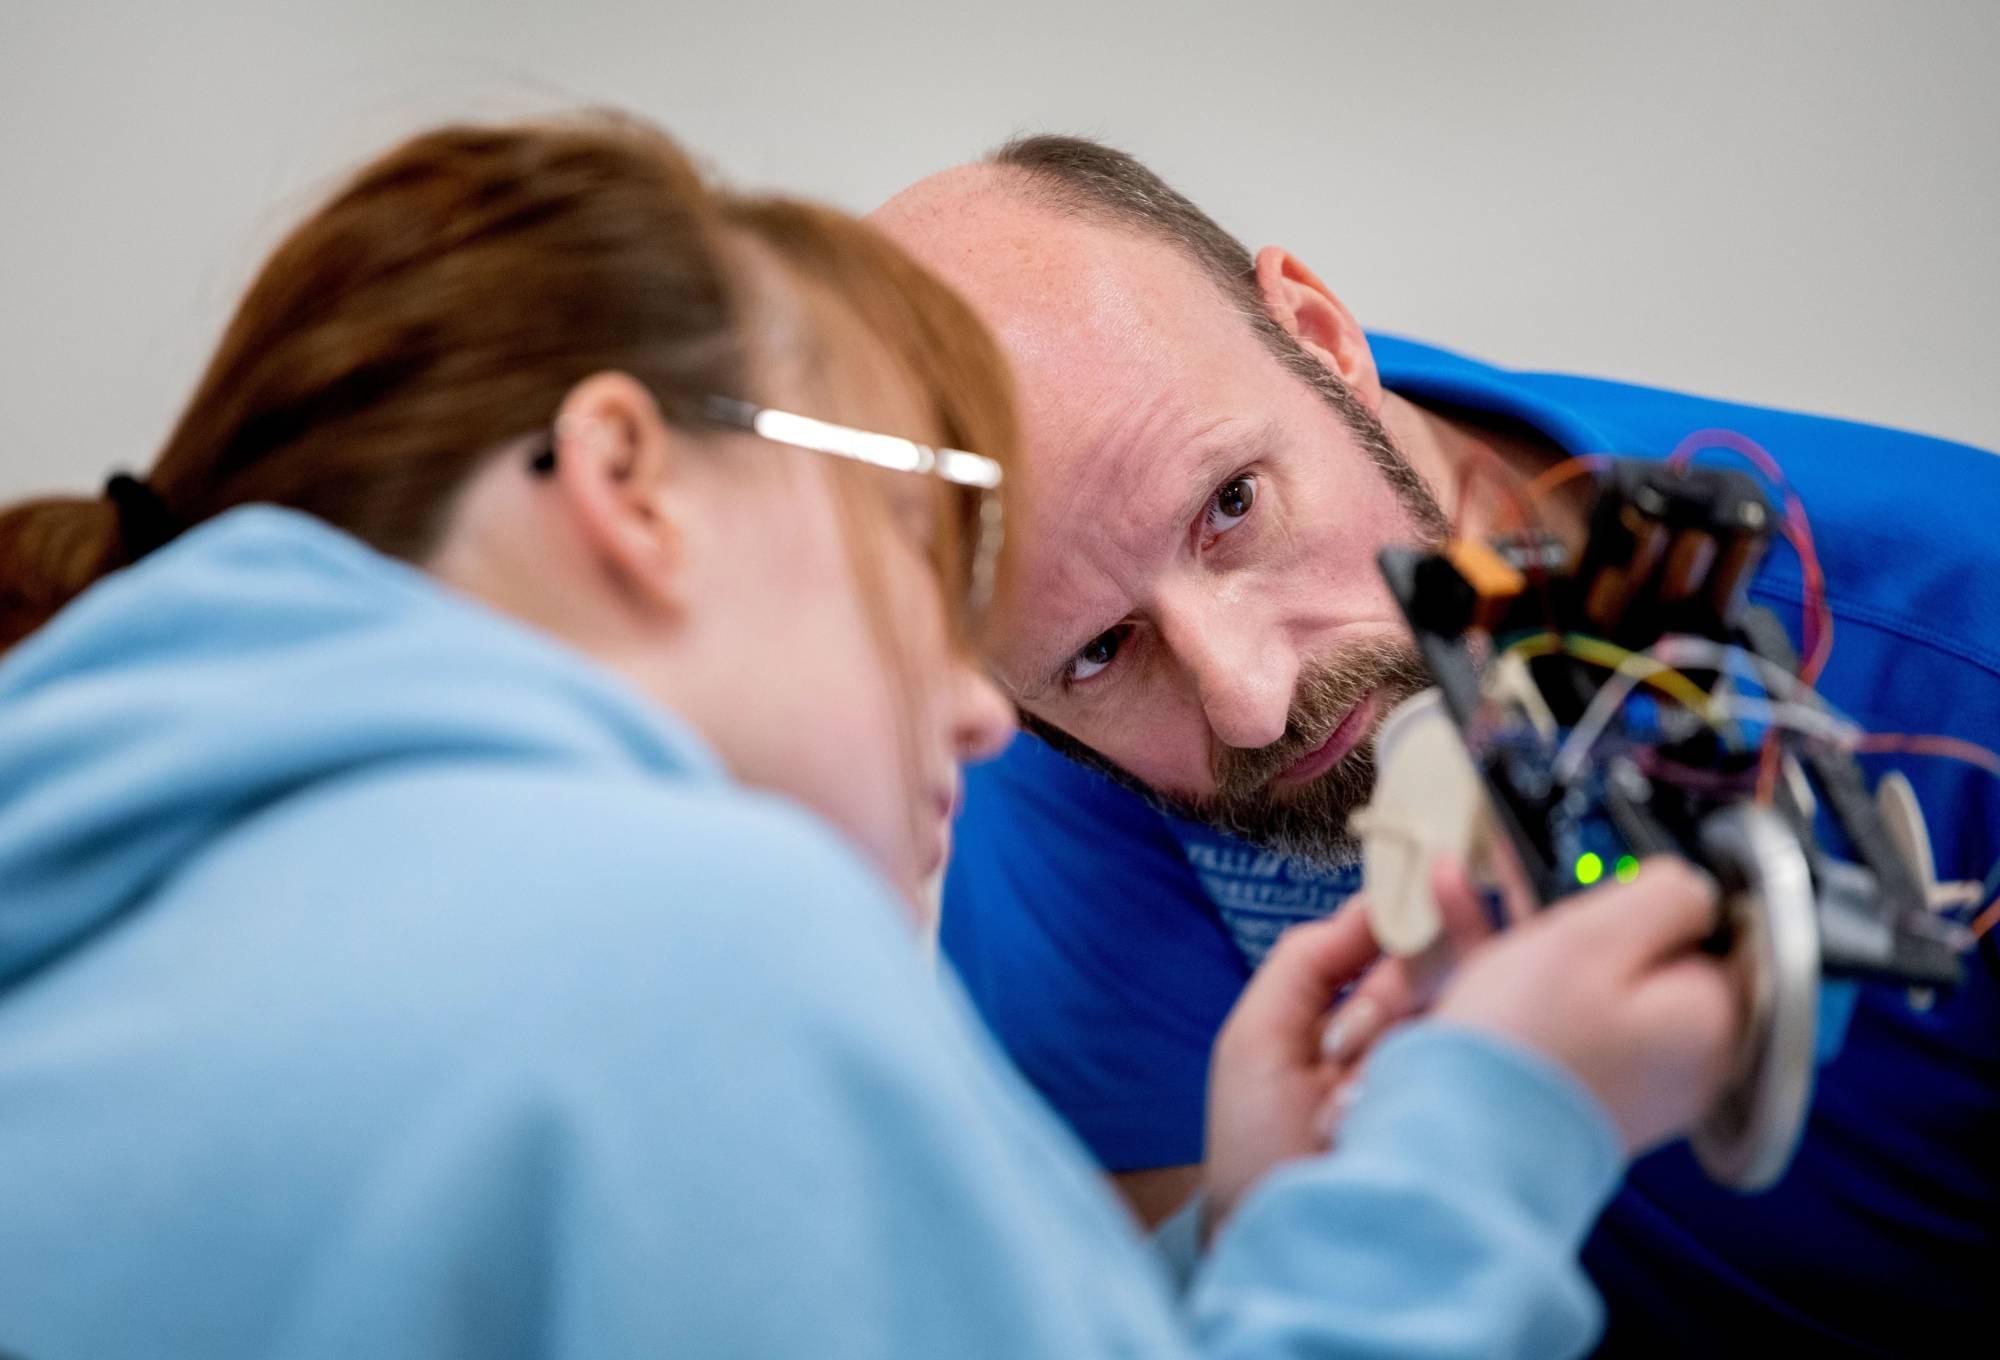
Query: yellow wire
x,y
1609,655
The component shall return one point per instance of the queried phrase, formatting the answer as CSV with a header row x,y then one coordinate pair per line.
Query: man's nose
x,y
982,718
1243,667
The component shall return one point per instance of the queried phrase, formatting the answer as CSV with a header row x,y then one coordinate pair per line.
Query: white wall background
x,y
1789,202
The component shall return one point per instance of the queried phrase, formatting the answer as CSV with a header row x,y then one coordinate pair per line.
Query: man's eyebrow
x,y
1230,444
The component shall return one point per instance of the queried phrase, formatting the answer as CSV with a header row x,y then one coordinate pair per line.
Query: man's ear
x,y
1307,309
618,472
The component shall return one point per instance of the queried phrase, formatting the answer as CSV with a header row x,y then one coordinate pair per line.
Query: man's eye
x,y
1230,503
1095,655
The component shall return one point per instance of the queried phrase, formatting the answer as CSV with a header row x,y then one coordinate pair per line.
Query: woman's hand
x,y
1609,984
1280,1061
1612,985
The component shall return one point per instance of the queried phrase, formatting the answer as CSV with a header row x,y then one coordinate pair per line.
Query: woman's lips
x,y
1353,728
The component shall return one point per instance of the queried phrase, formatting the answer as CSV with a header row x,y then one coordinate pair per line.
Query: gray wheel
x,y
1747,1139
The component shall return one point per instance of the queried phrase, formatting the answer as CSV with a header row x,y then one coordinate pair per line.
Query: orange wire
x,y
1563,473
1527,521
1767,769
1986,920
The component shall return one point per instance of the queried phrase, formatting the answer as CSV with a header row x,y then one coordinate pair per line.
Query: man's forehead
x,y
1115,337
1051,282
1126,358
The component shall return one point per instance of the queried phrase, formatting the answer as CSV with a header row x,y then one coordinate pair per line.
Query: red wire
x,y
1927,744
1816,612
1767,769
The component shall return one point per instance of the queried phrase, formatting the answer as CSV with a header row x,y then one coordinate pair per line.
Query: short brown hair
x,y
1087,178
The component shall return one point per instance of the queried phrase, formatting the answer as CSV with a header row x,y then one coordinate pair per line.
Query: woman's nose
x,y
982,718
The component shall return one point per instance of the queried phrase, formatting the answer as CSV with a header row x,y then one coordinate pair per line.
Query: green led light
x,y
1589,868
1628,868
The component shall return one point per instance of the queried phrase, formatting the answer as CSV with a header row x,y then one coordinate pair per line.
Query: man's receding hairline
x,y
1084,179
1044,190
1040,193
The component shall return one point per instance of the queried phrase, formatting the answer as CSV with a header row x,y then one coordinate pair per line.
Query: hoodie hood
x,y
257,656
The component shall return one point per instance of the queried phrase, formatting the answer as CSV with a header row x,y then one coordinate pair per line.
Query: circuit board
x,y
1614,701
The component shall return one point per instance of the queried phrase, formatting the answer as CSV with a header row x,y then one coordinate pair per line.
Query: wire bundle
x,y
1789,702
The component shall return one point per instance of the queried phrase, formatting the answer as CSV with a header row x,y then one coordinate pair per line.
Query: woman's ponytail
x,y
51,550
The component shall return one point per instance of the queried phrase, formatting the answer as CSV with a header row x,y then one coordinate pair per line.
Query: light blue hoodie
x,y
378,978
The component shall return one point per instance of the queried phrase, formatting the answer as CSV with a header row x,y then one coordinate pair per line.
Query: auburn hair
x,y
443,302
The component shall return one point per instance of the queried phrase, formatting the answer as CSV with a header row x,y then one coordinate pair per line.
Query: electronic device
x,y
1590,709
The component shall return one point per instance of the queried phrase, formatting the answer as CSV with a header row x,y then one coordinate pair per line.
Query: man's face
x,y
1195,597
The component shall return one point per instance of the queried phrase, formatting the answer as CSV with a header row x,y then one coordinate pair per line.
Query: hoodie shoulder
x,y
513,897
516,867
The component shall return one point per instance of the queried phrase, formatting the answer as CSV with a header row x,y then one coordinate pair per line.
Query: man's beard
x,y
1310,820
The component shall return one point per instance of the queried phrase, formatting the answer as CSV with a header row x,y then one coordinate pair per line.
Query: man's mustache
x,y
1310,820
1327,691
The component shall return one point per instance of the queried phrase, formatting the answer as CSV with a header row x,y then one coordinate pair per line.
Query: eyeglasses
x,y
974,478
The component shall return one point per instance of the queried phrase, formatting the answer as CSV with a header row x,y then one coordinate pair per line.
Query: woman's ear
x,y
617,473
1310,313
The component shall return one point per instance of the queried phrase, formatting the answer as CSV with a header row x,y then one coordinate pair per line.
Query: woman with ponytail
x,y
462,807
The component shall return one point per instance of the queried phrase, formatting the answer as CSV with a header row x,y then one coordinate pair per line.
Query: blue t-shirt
x,y
1105,942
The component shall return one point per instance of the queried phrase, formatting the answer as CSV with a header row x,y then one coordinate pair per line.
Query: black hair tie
x,y
144,521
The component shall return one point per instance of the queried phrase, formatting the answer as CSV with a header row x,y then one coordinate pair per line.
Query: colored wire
x,y
1611,656
1561,474
1768,762
1707,654
1712,782
1696,653
1951,748
1800,709
1811,722
1630,670
1527,521
1796,526
1816,612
